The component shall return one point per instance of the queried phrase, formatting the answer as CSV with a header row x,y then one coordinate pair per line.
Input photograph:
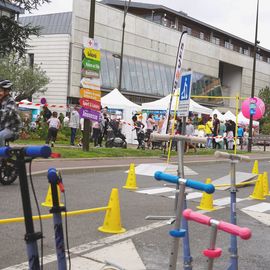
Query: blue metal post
x,y
233,248
186,247
54,179
31,236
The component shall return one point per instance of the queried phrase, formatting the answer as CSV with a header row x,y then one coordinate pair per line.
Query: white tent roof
x,y
229,116
163,103
117,101
25,101
242,120
220,116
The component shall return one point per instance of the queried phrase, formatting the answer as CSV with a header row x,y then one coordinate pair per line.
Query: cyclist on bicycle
x,y
10,121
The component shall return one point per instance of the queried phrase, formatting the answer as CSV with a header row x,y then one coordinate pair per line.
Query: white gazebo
x,y
163,104
115,100
229,116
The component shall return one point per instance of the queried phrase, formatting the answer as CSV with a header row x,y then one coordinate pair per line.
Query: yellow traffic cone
x,y
255,169
131,179
258,189
265,184
112,220
48,201
207,199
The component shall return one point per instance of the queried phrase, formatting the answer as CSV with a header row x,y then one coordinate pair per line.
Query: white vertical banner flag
x,y
177,75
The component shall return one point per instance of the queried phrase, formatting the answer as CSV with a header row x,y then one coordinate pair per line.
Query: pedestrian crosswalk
x,y
245,204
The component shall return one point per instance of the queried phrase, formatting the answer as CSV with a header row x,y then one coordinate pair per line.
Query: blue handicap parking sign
x,y
185,87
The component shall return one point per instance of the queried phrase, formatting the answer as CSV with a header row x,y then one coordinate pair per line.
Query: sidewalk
x,y
98,164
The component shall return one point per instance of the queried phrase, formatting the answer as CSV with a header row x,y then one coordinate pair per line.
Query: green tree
x,y
13,36
26,80
264,94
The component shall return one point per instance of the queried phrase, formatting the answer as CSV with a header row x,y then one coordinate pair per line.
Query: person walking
x,y
74,124
46,113
150,124
231,134
54,125
190,132
208,132
201,131
240,135
216,127
96,134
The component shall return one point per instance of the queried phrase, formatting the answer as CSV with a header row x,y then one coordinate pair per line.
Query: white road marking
x,y
262,217
226,200
123,254
156,190
190,196
259,207
95,244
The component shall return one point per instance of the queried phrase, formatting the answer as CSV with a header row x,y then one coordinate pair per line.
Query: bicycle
x,y
8,169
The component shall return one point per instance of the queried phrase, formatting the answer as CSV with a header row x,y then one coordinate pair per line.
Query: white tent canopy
x,y
115,100
229,116
220,116
163,104
243,121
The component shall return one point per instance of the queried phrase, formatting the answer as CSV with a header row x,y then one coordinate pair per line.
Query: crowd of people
x,y
107,127
220,134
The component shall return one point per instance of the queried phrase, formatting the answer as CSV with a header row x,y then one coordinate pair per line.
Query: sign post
x,y
184,94
90,87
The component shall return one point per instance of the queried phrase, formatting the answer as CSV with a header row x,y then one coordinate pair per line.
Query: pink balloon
x,y
260,108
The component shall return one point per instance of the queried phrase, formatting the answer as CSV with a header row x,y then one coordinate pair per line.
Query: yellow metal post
x,y
174,116
236,126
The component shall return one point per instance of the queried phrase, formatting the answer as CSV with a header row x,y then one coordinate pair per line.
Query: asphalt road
x,y
88,190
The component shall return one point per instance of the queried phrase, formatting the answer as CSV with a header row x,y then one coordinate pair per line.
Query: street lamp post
x,y
122,44
253,79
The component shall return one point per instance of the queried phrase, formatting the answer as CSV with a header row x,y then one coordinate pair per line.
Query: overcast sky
x,y
237,17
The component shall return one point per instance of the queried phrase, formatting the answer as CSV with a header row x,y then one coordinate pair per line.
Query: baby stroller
x,y
140,138
115,137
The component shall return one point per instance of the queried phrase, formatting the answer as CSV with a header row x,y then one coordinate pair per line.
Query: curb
x,y
106,168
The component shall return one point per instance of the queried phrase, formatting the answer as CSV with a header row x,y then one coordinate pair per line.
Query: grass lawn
x,y
67,151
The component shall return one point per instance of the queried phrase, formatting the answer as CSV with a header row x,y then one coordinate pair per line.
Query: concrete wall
x,y
51,52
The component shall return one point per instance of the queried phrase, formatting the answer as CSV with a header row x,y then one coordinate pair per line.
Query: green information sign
x,y
90,64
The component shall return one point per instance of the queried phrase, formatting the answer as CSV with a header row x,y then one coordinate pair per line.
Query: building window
x,y
227,44
246,52
188,29
259,57
201,35
241,50
268,60
216,40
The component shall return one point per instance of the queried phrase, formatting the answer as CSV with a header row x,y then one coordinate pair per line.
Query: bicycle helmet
x,y
5,84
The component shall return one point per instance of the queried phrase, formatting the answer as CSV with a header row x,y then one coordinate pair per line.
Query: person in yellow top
x,y
209,132
201,131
